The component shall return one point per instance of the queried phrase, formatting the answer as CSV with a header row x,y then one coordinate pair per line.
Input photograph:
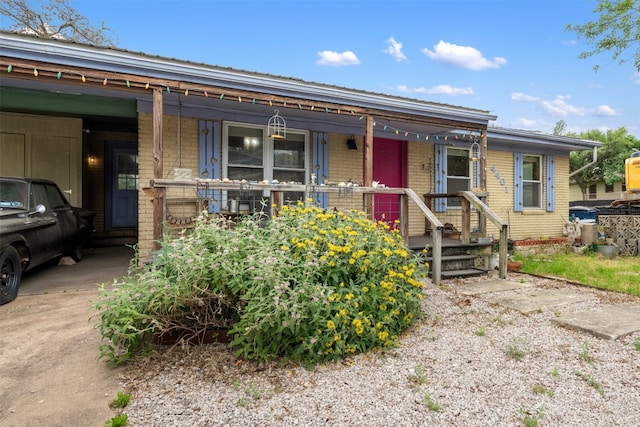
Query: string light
x,y
300,106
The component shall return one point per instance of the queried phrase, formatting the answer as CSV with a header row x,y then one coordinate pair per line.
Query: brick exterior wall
x,y
531,223
345,165
180,150
420,178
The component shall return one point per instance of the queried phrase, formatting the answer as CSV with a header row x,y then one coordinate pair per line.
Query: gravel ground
x,y
457,367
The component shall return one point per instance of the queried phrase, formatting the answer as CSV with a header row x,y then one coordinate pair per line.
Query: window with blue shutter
x,y
517,182
551,184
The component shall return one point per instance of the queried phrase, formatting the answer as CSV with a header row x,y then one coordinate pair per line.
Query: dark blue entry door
x,y
121,185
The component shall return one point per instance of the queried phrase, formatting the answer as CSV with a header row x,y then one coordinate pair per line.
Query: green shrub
x,y
310,285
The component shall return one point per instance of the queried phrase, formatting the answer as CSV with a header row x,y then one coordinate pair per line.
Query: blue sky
x,y
512,58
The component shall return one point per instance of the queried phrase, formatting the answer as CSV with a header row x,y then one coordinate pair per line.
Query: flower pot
x,y
514,265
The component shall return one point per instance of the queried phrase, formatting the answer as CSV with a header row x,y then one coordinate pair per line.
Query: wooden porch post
x,y
466,220
483,178
368,165
158,193
483,160
404,218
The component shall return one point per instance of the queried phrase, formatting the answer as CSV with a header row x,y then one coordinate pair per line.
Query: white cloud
x,y
570,42
605,110
462,56
524,123
636,78
334,59
560,108
438,90
394,48
519,96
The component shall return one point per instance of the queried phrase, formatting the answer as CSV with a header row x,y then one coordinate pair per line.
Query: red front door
x,y
389,168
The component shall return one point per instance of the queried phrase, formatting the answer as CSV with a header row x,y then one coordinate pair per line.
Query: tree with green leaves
x,y
616,30
609,167
54,19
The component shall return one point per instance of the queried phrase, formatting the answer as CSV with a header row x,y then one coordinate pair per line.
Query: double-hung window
x,y
531,181
253,157
458,173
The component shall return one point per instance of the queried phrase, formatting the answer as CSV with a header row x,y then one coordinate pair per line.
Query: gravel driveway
x,y
468,363
458,367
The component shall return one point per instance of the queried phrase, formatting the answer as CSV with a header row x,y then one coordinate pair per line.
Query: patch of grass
x,y
542,389
518,348
555,372
118,421
499,320
418,377
591,381
431,403
585,355
621,274
121,401
636,344
532,420
481,332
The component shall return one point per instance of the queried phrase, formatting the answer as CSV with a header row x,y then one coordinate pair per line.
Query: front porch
x,y
447,257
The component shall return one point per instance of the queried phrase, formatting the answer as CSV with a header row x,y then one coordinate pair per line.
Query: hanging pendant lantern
x,y
277,127
475,152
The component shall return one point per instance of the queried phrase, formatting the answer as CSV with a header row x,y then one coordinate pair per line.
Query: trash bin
x,y
582,213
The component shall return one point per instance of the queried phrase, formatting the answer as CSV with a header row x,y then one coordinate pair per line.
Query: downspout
x,y
595,160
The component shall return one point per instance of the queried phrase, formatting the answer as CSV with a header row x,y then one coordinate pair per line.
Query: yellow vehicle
x,y
632,172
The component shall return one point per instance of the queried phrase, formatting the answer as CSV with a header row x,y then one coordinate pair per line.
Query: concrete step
x,y
468,272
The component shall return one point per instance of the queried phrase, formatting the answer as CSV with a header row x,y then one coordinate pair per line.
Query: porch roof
x,y
404,111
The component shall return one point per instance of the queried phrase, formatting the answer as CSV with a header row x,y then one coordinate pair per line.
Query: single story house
x,y
107,125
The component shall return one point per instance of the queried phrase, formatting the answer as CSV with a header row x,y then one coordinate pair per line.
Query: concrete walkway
x,y
610,321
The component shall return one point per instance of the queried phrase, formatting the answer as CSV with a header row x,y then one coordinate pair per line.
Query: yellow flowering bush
x,y
341,284
309,285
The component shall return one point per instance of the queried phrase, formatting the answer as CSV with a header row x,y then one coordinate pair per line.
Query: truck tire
x,y
10,273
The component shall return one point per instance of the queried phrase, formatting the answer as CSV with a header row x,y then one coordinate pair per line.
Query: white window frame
x,y
468,177
539,181
267,153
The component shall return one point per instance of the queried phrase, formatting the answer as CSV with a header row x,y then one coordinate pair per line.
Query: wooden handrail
x,y
485,210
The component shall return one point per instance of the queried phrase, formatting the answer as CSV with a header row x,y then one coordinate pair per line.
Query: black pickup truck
x,y
37,224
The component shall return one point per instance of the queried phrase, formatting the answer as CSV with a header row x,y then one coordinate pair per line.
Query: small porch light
x,y
474,153
277,127
351,143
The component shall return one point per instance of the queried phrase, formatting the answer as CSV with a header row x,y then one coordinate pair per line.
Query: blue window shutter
x,y
441,177
320,165
209,160
517,182
551,184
